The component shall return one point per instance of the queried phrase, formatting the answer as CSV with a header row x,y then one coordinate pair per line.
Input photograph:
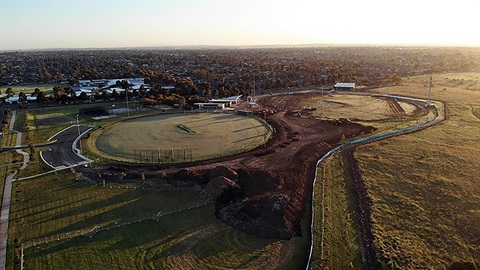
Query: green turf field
x,y
28,88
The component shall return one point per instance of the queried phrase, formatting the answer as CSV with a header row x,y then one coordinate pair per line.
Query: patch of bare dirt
x,y
275,180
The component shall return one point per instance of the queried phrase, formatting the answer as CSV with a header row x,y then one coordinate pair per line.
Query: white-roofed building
x,y
344,86
233,99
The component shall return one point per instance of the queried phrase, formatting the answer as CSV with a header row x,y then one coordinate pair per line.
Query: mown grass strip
x,y
336,235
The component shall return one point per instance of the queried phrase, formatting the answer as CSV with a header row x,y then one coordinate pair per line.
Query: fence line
x,y
356,143
92,231
164,156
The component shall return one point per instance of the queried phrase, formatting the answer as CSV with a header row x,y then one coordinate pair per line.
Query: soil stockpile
x,y
276,180
264,191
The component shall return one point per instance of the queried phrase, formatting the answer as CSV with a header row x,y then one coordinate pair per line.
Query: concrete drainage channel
x,y
355,143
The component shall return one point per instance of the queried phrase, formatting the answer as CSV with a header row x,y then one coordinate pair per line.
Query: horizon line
x,y
204,46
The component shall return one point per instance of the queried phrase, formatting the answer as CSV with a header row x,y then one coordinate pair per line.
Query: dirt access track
x,y
273,182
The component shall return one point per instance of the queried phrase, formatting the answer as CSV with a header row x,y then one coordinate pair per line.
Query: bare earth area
x,y
267,188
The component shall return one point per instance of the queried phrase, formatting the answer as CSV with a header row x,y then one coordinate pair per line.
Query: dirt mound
x,y
264,208
219,185
263,215
276,180
186,177
258,182
223,171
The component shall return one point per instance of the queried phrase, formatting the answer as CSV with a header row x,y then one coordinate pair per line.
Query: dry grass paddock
x,y
425,186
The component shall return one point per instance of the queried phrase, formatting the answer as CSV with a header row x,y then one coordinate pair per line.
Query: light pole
x,y
321,105
79,138
126,96
430,89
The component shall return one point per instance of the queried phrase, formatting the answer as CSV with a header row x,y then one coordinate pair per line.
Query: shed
x,y
344,86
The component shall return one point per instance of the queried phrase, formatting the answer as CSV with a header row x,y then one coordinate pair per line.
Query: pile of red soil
x,y
274,181
264,191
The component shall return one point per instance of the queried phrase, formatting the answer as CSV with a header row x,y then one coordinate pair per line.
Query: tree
x,y
32,151
203,86
148,102
115,94
83,96
105,95
22,98
35,92
41,97
9,92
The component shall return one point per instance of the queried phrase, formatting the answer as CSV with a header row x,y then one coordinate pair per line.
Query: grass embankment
x,y
337,243
425,186
193,238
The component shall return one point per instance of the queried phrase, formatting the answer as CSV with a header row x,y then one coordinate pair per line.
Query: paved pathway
x,y
4,216
64,152
7,196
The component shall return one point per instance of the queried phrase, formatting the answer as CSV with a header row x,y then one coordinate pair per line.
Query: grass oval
x,y
204,135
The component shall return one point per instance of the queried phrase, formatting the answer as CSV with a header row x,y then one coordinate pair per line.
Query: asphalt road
x,y
61,152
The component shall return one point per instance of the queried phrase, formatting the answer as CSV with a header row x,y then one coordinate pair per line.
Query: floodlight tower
x,y
79,137
430,89
321,105
253,85
126,96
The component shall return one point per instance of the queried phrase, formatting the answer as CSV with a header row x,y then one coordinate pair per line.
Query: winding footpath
x,y
63,154
437,119
7,196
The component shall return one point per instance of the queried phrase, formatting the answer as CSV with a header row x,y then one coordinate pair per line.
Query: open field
x,y
425,186
48,121
59,204
193,238
28,88
206,135
356,107
368,110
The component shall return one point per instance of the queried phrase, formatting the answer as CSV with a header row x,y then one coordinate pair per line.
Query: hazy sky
x,y
37,24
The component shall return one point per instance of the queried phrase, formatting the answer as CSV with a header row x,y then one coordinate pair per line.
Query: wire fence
x,y
324,159
158,156
90,232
